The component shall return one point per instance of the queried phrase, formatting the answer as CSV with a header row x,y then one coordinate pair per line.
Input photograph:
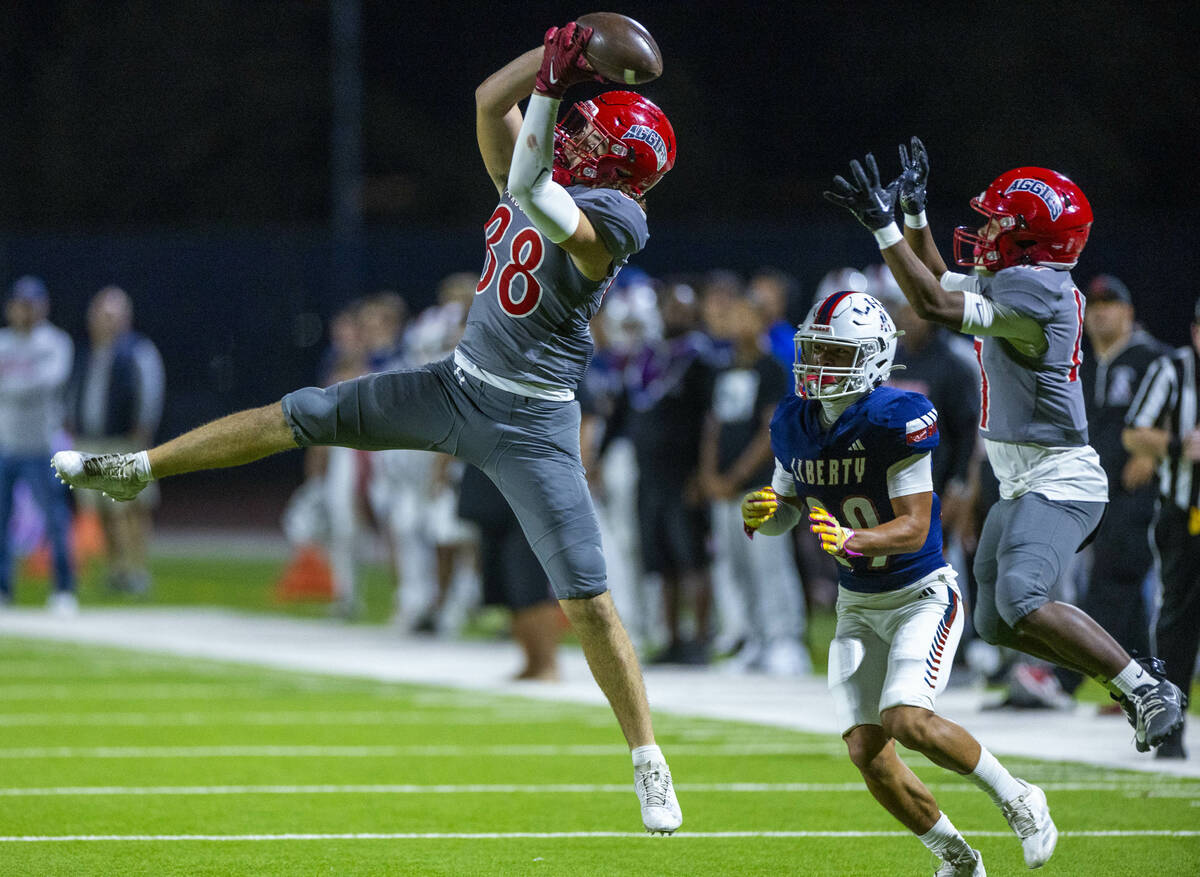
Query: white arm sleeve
x,y
786,516
961,282
982,316
782,481
531,176
911,475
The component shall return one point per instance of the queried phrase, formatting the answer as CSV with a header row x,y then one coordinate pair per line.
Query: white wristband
x,y
916,220
888,236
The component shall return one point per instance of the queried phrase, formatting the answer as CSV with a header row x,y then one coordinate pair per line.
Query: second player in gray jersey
x,y
1026,314
569,217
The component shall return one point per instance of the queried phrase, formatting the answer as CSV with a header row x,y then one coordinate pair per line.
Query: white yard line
x,y
540,835
1152,789
297,718
515,750
323,649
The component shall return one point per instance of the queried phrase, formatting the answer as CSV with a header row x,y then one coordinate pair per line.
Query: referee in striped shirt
x,y
1162,425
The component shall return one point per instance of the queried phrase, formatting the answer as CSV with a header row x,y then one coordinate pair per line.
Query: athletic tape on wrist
x,y
916,220
888,236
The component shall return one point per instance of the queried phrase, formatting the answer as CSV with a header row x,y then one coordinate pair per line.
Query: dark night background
x,y
183,150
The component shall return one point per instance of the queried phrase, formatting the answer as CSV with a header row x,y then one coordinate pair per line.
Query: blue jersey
x,y
844,469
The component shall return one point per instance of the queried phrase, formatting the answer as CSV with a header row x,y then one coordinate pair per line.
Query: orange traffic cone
x,y
87,537
307,577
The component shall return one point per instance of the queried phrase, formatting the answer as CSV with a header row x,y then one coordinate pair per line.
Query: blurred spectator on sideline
x,y
670,393
755,585
114,405
414,494
324,519
35,363
1120,558
345,345
381,318
626,323
839,280
776,294
718,291
513,577
1163,428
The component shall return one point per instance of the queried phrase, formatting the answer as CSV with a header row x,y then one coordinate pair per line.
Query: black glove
x,y
914,177
871,203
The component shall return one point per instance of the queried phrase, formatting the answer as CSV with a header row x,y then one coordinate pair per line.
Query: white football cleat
x,y
660,809
965,866
1029,816
64,604
113,474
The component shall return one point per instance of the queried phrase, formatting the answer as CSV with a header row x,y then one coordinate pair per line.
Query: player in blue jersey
x,y
856,456
1026,314
568,218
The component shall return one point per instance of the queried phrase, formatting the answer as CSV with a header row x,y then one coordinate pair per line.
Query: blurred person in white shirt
x,y
114,406
35,362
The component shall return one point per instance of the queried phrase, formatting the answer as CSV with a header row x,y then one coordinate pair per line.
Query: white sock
x,y
141,466
944,841
1134,676
646,754
991,776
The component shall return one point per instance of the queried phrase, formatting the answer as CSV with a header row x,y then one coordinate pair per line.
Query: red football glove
x,y
563,63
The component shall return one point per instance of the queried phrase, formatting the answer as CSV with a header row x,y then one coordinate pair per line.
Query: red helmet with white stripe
x,y
844,347
1035,217
618,139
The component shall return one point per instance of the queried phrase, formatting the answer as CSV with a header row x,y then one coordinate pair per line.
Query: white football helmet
x,y
844,347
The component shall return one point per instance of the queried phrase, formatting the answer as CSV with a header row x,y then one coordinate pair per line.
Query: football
x,y
621,50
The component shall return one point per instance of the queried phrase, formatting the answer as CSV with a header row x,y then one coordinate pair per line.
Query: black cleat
x,y
1160,711
1157,668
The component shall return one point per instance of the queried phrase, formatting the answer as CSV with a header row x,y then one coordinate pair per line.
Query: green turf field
x,y
155,765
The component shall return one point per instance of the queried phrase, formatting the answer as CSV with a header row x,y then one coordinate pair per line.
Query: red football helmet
x,y
618,139
1035,217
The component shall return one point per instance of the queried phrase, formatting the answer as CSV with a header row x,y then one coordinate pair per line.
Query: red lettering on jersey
x,y
527,252
1077,353
493,230
983,385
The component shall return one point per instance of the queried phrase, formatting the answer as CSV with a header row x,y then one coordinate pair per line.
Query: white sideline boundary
x,y
546,835
380,653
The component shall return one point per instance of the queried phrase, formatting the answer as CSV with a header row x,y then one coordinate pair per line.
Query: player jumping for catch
x,y
847,448
569,217
1027,315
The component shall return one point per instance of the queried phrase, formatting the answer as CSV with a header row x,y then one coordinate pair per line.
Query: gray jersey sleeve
x,y
1022,290
618,219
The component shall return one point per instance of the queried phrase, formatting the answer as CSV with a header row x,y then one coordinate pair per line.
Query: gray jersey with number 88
x,y
529,320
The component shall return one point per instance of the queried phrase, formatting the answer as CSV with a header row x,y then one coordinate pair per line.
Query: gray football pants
x,y
1025,548
528,447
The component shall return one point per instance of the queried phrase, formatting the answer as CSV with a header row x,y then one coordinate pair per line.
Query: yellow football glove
x,y
833,535
758,506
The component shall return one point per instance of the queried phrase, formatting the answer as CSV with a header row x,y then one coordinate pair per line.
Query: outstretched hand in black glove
x,y
872,203
914,177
